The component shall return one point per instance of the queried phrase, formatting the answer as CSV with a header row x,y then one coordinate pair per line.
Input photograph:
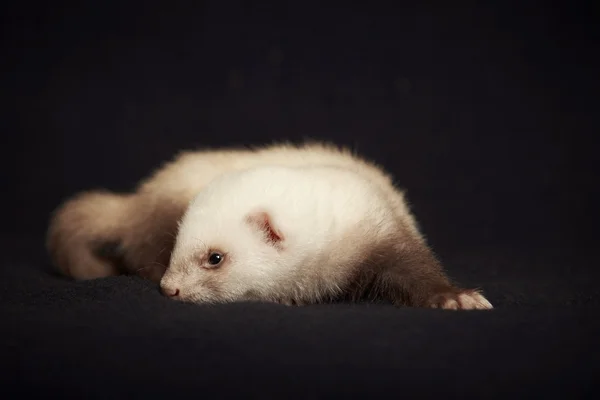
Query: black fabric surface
x,y
485,114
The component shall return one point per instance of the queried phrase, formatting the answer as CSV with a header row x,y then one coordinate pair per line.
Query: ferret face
x,y
222,258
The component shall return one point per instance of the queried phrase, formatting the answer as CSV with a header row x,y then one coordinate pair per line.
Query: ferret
x,y
99,233
302,235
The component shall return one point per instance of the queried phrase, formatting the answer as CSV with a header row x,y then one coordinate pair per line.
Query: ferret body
x,y
100,233
298,235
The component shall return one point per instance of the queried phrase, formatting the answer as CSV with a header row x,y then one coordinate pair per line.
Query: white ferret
x,y
100,233
300,235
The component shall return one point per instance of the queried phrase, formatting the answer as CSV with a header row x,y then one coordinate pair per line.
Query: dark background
x,y
485,113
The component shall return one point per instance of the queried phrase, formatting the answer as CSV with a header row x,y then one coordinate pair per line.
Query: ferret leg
x,y
416,278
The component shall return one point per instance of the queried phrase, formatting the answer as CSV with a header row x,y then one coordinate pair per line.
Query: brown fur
x,y
406,274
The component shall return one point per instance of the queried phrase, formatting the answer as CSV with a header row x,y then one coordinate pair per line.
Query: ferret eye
x,y
215,258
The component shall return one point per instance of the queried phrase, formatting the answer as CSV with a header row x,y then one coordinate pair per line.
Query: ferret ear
x,y
261,220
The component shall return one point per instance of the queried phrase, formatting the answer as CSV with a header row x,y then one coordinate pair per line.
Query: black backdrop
x,y
485,113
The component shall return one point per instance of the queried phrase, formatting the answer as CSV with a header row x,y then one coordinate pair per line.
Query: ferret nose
x,y
170,292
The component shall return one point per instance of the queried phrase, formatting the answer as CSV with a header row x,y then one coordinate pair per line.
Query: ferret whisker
x,y
158,255
171,234
159,264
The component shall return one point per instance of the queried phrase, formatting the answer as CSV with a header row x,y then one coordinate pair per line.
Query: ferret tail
x,y
82,227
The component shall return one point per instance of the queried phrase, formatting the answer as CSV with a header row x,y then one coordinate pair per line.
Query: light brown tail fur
x,y
79,226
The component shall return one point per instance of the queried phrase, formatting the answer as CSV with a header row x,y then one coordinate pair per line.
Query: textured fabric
x,y
485,115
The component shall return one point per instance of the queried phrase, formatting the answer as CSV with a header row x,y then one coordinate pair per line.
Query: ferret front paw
x,y
462,300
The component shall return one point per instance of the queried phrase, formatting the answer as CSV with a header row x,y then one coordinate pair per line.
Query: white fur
x,y
319,210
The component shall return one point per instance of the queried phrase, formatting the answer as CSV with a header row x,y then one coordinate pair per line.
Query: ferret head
x,y
222,256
